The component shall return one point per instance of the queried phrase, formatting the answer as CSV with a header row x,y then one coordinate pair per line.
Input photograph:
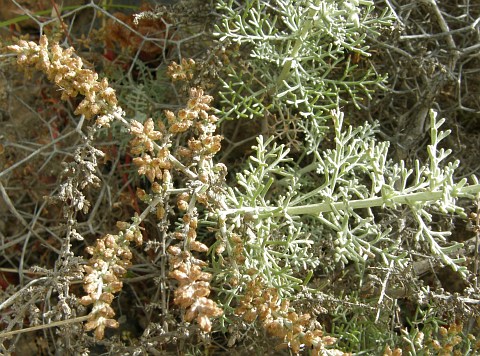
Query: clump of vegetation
x,y
223,190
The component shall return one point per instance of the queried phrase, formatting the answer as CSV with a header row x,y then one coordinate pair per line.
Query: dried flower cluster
x,y
193,284
155,166
154,161
395,352
449,340
183,71
111,254
280,320
66,70
196,113
110,259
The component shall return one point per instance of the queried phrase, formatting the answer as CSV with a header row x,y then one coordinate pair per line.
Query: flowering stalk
x,y
66,70
110,260
194,284
280,320
111,255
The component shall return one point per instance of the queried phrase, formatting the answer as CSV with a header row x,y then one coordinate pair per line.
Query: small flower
x,y
183,71
145,135
152,168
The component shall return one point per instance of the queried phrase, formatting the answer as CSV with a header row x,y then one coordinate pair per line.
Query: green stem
x,y
315,209
296,47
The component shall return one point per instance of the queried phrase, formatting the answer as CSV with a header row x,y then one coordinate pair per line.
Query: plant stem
x,y
315,209
45,326
298,44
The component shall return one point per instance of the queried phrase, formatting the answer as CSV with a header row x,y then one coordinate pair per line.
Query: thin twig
x,y
44,326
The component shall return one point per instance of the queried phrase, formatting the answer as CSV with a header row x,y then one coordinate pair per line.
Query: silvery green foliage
x,y
356,176
284,224
274,242
298,57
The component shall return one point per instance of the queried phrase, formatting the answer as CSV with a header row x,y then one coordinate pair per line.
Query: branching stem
x,y
315,209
